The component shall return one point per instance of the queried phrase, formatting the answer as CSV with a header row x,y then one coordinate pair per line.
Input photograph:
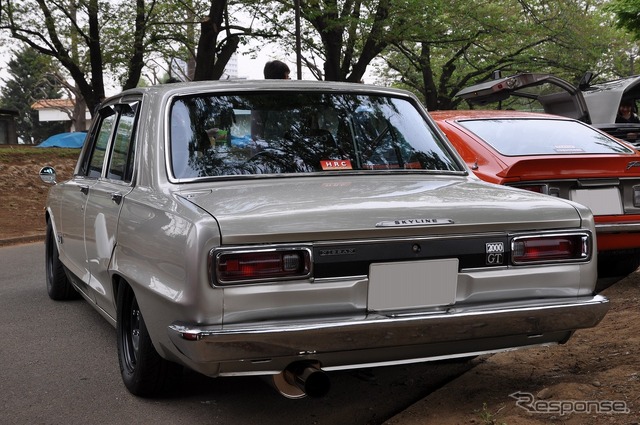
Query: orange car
x,y
560,157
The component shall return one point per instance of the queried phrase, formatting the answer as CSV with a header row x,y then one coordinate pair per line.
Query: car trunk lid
x,y
566,100
280,210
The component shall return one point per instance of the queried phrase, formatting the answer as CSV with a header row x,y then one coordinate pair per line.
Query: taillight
x,y
233,267
551,248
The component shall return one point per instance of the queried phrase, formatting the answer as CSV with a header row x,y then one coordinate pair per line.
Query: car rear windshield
x,y
520,137
285,132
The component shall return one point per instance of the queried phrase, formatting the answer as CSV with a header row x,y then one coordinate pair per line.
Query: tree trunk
x,y
209,62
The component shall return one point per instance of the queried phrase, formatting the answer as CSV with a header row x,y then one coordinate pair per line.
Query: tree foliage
x,y
434,48
628,15
461,43
72,32
339,38
31,78
627,20
95,40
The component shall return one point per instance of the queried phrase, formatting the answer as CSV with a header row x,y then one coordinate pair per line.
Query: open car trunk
x,y
593,104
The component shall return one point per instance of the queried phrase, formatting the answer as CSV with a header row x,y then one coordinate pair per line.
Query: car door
x,y
71,224
557,97
105,201
70,228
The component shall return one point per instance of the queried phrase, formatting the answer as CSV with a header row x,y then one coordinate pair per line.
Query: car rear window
x,y
520,137
285,132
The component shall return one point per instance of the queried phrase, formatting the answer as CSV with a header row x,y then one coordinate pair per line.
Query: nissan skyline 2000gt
x,y
289,228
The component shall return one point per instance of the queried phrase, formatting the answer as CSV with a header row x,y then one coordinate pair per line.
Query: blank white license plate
x,y
412,284
601,201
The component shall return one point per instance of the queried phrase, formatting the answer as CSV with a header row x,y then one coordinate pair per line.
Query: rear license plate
x,y
412,284
601,201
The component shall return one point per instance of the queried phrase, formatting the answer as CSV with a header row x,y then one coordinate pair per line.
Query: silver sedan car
x,y
288,228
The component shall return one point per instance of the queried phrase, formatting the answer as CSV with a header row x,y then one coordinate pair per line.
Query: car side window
x,y
121,161
103,136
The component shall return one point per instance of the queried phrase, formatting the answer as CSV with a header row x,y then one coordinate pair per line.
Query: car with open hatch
x,y
290,228
595,103
561,157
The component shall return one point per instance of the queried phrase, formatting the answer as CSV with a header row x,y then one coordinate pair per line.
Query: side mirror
x,y
48,175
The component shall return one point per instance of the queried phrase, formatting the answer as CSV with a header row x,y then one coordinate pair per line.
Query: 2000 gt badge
x,y
495,252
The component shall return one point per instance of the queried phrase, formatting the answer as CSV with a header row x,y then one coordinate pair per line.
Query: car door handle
x,y
116,197
84,189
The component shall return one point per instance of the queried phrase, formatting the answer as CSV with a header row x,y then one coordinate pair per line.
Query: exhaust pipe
x,y
302,379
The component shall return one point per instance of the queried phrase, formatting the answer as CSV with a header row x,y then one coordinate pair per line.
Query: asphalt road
x,y
59,366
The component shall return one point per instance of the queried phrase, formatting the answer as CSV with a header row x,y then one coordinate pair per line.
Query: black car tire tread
x,y
59,287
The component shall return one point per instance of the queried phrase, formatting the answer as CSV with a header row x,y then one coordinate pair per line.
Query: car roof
x,y
196,87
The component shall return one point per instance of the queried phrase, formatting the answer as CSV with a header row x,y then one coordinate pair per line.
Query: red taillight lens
x,y
235,267
551,248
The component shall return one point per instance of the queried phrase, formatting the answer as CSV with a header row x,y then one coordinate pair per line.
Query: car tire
x,y
59,287
144,372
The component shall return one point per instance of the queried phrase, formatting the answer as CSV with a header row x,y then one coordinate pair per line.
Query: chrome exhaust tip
x,y
302,379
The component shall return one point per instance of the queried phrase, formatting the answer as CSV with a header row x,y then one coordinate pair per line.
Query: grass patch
x,y
12,153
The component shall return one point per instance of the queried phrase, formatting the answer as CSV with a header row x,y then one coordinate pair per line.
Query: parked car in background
x,y
595,104
287,228
560,157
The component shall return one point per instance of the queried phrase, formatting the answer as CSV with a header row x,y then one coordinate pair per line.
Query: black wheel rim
x,y
131,334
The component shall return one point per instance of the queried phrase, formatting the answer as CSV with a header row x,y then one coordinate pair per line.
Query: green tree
x,y
71,32
201,34
31,78
628,15
96,40
339,38
459,43
627,19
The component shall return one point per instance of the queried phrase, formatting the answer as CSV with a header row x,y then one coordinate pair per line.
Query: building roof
x,y
53,103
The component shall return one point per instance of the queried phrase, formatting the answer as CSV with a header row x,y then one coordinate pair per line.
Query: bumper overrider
x,y
383,339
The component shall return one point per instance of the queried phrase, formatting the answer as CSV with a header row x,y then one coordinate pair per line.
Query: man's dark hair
x,y
276,70
626,102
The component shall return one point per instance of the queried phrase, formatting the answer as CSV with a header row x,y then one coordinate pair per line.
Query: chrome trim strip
x,y
320,244
617,227
430,359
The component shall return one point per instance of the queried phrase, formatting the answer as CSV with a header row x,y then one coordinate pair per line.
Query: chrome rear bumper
x,y
452,331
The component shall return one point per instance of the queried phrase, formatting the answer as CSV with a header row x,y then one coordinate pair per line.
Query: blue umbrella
x,y
65,140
